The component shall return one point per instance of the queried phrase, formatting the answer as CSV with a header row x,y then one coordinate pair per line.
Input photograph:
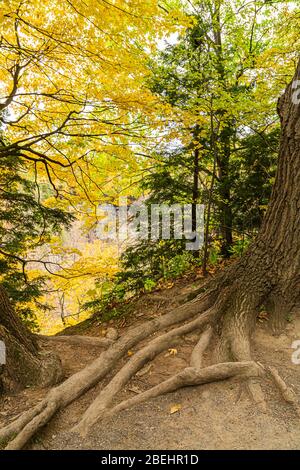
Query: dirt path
x,y
216,416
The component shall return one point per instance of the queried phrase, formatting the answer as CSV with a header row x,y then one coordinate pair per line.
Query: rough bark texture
x,y
269,273
25,364
29,422
155,347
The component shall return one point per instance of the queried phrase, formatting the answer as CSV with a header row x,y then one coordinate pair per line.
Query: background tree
x,y
225,149
213,73
60,127
26,224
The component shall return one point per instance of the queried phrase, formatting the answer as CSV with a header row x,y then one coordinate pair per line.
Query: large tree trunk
x,y
269,273
25,364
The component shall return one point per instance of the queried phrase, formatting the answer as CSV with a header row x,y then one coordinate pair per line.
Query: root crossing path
x,y
158,386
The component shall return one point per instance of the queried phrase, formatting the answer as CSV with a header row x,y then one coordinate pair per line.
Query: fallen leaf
x,y
263,316
172,352
175,408
130,353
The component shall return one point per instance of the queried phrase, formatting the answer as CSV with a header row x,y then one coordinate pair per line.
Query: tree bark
x,y
195,196
269,273
225,196
25,365
224,140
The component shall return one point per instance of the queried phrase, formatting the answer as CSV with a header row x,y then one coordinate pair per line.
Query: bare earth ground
x,y
215,416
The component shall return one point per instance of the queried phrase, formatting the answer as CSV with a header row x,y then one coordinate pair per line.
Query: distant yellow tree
x,y
73,105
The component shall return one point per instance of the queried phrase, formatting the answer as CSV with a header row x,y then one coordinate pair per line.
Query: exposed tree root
x,y
199,349
59,397
192,376
287,393
37,422
19,432
79,340
18,424
257,395
155,347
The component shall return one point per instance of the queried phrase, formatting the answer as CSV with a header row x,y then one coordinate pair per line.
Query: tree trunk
x,y
225,203
269,273
24,365
224,141
195,196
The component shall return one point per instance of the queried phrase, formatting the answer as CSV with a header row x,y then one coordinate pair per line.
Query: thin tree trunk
x,y
225,203
195,196
224,140
211,190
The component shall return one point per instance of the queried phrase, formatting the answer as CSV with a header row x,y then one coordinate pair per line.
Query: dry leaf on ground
x,y
175,408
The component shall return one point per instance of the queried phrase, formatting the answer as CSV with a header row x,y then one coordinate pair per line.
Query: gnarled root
x,y
196,314
25,426
192,376
78,340
39,420
287,393
199,349
155,347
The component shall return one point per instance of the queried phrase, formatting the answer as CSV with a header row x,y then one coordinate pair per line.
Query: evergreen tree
x,y
26,224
